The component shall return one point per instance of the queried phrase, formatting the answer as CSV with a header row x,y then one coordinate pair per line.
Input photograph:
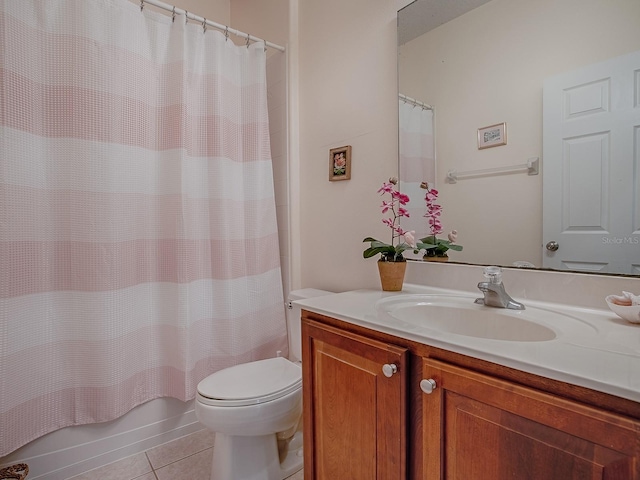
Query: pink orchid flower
x,y
386,188
431,195
395,207
410,238
401,197
386,206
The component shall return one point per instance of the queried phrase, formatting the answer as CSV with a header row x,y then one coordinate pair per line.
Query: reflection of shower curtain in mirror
x,y
417,152
417,162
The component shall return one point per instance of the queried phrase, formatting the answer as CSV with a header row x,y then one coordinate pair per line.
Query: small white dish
x,y
629,313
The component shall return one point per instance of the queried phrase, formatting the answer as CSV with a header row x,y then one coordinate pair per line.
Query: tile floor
x,y
186,458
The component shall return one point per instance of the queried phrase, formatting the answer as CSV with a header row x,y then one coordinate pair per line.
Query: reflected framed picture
x,y
340,163
492,136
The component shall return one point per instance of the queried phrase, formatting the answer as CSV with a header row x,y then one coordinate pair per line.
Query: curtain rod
x,y
204,21
414,102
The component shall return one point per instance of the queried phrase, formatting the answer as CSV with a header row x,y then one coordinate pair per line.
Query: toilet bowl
x,y
247,405
255,410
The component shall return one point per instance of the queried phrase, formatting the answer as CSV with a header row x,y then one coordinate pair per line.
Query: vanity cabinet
x,y
354,398
483,428
444,415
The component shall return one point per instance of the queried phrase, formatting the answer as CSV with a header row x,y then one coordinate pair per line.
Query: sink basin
x,y
460,316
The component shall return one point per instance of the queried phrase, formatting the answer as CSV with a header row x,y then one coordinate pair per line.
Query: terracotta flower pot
x,y
391,275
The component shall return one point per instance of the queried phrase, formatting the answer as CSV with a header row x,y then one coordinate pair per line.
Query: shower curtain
x,y
138,237
416,163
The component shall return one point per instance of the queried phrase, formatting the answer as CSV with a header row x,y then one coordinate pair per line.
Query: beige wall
x,y
268,20
488,67
347,88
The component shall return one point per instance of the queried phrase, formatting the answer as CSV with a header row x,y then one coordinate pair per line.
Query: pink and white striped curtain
x,y
138,237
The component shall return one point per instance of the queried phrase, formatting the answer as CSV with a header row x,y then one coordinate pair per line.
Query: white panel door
x,y
591,171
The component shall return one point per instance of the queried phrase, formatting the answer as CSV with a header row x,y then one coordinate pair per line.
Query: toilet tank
x,y
293,319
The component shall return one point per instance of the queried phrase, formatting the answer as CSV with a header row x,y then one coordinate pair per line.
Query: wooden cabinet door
x,y
481,428
354,415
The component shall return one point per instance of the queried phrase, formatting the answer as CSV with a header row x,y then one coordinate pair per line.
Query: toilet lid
x,y
251,383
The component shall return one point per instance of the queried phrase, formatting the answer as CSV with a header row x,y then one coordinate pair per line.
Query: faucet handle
x,y
494,274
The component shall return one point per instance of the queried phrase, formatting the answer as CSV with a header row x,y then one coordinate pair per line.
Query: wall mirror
x,y
492,64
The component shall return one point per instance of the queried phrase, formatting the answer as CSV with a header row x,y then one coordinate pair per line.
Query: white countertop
x,y
601,352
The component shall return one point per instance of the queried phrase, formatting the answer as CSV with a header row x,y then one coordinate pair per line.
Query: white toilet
x,y
255,409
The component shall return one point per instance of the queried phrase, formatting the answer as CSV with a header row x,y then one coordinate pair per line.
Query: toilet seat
x,y
262,381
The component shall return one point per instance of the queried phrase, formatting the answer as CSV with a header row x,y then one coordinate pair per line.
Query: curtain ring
x,y
248,38
141,5
173,15
226,33
204,25
186,17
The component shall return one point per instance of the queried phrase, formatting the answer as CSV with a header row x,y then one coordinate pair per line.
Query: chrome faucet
x,y
494,292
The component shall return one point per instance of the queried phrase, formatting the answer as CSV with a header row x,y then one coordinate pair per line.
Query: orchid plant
x,y
400,240
434,246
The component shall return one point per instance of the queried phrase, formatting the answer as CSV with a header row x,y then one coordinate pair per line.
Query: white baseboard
x,y
74,450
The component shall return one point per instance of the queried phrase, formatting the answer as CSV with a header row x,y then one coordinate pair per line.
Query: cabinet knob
x,y
389,369
428,385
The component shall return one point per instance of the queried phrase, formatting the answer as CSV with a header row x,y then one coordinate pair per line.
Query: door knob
x,y
388,369
552,246
428,385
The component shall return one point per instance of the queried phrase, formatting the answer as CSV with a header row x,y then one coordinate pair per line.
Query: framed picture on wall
x,y
492,136
340,163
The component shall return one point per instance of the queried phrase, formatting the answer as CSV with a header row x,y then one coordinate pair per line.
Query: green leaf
x,y
427,243
424,246
371,251
378,247
427,240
